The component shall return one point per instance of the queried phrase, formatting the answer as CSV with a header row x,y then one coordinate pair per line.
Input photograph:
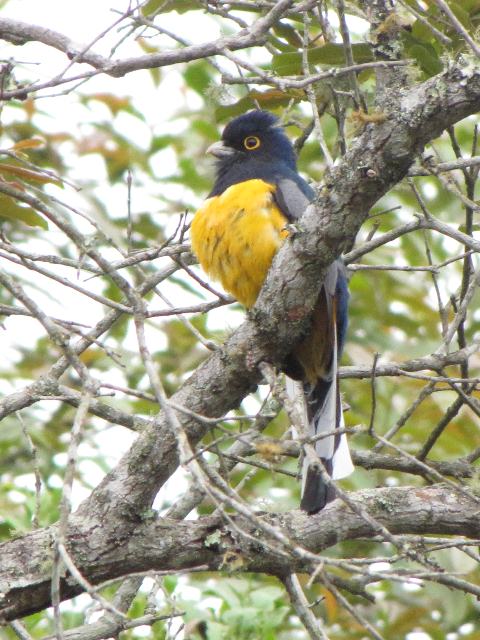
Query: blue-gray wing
x,y
292,196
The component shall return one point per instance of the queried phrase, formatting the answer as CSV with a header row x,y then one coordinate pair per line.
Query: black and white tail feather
x,y
320,407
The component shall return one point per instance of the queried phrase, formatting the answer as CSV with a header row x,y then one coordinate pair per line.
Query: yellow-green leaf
x,y
10,209
28,143
331,54
26,174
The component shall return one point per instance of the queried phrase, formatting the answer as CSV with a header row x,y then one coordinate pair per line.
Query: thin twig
x,y
458,26
312,624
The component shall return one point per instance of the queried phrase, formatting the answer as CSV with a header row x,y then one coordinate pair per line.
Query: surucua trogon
x,y
235,235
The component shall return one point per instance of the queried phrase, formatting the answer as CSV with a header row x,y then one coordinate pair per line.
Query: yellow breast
x,y
235,236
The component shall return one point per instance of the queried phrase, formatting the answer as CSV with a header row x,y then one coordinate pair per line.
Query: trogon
x,y
235,234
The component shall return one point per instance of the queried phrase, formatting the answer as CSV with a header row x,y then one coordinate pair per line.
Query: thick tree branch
x,y
167,545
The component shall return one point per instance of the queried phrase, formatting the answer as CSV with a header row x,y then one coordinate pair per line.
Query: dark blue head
x,y
252,145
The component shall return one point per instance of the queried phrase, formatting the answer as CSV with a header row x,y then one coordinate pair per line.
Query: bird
x,y
257,196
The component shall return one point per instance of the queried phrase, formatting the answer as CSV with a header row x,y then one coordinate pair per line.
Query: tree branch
x,y
169,545
18,32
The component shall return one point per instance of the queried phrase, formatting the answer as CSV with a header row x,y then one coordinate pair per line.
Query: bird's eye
x,y
251,142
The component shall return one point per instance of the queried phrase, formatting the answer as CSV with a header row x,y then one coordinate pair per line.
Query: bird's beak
x,y
219,150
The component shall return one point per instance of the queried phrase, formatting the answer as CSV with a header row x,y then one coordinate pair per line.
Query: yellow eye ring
x,y
251,143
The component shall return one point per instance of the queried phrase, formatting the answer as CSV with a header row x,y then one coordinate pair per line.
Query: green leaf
x,y
430,64
423,52
472,6
13,211
288,33
160,6
170,583
422,31
475,227
462,14
161,142
266,597
280,45
197,77
331,54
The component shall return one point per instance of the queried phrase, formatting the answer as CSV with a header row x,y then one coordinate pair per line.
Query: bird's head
x,y
254,136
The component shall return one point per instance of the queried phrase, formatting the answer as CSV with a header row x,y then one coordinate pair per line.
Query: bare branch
x,y
312,624
458,26
20,32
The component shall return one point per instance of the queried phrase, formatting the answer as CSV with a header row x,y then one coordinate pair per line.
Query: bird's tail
x,y
321,408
